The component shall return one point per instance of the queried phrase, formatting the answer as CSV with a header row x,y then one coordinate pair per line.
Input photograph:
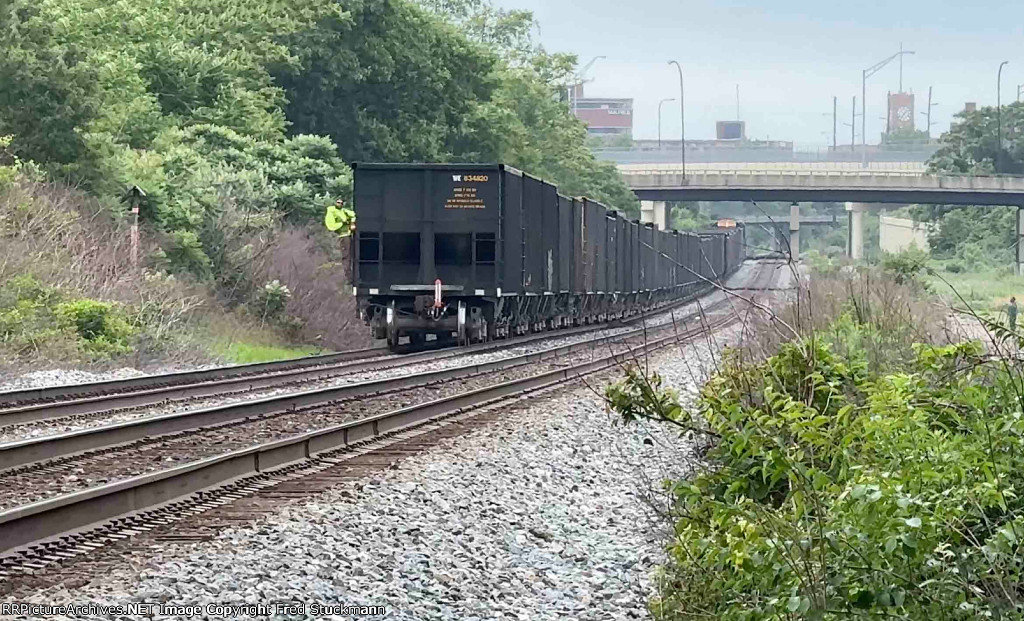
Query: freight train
x,y
474,252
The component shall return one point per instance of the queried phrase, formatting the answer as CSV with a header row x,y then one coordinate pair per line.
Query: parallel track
x,y
40,404
57,524
34,535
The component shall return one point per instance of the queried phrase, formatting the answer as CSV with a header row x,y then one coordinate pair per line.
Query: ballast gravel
x,y
548,515
61,377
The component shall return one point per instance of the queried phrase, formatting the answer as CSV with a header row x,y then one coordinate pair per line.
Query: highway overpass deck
x,y
825,185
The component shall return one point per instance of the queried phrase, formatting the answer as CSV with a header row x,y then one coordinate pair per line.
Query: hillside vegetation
x,y
239,119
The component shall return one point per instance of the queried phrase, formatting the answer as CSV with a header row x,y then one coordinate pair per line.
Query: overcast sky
x,y
789,57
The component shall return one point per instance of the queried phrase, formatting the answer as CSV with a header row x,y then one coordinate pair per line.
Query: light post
x,y
682,118
659,120
867,73
999,114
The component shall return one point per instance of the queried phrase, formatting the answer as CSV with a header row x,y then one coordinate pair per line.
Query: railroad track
x,y
54,521
104,399
140,504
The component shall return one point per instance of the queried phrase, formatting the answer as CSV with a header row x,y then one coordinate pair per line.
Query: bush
x,y
103,330
954,268
835,492
273,299
905,266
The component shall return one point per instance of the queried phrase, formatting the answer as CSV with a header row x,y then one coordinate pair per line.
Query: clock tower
x,y
901,112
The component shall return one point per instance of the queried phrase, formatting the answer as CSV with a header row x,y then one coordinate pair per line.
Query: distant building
x,y
731,130
603,116
901,112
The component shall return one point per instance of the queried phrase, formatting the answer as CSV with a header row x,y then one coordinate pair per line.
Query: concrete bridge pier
x,y
855,240
794,231
655,212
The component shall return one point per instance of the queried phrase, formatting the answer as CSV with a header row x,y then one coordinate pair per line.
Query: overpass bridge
x,y
880,183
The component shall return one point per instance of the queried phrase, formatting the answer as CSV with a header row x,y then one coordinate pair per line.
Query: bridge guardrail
x,y
814,173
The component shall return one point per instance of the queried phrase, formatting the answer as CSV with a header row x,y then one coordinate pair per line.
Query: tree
x,y
976,235
525,122
46,90
388,82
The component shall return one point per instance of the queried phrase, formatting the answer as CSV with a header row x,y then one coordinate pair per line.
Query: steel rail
x,y
62,391
24,452
50,518
111,395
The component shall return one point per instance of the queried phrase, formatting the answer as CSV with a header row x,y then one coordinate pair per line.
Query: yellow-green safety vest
x,y
342,221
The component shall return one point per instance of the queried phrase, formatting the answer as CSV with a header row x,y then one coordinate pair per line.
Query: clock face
x,y
903,114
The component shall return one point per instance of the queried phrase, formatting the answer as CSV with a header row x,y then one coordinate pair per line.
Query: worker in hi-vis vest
x,y
340,219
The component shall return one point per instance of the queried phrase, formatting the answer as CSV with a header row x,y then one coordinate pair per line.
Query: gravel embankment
x,y
61,377
544,516
745,276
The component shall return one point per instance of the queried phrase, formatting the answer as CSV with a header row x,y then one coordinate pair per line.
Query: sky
x,y
789,58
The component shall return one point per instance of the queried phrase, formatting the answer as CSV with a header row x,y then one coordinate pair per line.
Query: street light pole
x,y
659,120
835,107
682,117
999,114
867,73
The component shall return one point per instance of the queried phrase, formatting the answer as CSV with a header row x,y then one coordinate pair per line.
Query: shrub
x,y
103,330
273,299
834,492
905,266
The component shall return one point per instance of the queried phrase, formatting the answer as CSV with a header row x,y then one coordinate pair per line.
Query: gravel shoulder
x,y
548,515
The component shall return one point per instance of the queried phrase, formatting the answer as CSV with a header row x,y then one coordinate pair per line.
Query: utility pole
x,y
835,107
682,117
901,67
999,115
888,112
928,114
737,102
853,125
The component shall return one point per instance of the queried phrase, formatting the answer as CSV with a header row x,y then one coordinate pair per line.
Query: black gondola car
x,y
477,251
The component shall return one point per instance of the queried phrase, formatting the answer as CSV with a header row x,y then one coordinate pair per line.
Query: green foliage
x,y
247,353
524,121
905,266
836,492
978,236
388,82
970,145
49,89
102,329
33,314
689,217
